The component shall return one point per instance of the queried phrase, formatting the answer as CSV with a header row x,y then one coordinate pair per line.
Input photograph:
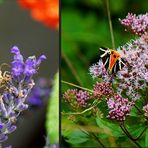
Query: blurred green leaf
x,y
146,139
52,122
114,129
77,136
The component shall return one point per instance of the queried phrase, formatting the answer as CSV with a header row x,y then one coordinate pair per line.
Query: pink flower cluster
x,y
98,70
119,108
137,24
134,75
102,89
77,98
145,108
82,97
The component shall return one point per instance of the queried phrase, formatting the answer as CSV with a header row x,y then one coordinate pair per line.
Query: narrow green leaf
x,y
52,123
146,139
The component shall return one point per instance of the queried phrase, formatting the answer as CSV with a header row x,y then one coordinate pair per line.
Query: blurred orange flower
x,y
45,11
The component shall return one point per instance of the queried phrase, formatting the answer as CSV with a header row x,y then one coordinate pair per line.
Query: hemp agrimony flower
x,y
134,75
136,24
119,107
17,88
77,98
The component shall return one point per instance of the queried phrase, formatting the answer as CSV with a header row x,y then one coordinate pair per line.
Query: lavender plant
x,y
117,102
15,87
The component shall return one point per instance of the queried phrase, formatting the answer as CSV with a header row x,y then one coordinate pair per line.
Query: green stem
x,y
141,133
128,135
98,140
138,109
77,86
110,24
86,110
71,68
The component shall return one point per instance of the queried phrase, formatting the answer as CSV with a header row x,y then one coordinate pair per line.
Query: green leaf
x,y
146,139
112,128
77,137
52,122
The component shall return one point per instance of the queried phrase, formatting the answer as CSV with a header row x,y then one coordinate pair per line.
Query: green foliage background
x,y
85,28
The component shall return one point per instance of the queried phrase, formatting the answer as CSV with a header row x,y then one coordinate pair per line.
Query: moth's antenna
x,y
110,24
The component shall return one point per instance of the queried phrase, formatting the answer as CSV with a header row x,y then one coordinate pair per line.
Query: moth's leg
x,y
115,68
106,61
120,64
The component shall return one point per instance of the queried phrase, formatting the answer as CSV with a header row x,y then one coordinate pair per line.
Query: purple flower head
x,y
134,75
136,24
145,109
41,58
17,63
32,64
118,107
82,97
15,50
77,98
98,70
102,89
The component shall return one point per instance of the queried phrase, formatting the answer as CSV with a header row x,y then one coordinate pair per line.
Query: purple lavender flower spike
x,y
41,58
13,99
17,63
11,129
31,65
3,137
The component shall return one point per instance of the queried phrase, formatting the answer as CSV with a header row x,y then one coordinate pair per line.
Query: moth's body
x,y
113,60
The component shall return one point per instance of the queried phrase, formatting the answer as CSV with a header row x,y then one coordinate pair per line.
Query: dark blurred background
x,y
33,38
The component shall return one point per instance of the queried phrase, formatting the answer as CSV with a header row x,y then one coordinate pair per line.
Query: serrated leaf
x,y
52,122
